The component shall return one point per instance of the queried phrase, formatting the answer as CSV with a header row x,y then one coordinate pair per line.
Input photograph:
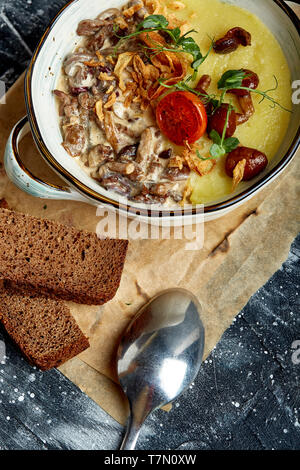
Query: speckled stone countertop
x,y
247,394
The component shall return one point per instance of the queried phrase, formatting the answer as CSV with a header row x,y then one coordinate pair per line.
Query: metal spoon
x,y
159,355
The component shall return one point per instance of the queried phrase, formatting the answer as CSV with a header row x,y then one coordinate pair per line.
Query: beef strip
x,y
74,139
118,184
148,151
99,154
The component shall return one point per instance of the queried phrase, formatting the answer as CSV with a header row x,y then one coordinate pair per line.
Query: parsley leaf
x,y
215,137
190,46
231,79
201,58
176,34
153,22
217,151
230,144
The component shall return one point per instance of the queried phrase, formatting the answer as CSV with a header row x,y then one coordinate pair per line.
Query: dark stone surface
x,y
247,394
44,410
22,23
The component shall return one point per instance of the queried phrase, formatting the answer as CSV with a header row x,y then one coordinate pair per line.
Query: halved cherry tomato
x,y
181,116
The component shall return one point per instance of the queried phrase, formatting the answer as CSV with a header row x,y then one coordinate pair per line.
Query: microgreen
x,y
183,86
233,79
153,22
221,146
199,58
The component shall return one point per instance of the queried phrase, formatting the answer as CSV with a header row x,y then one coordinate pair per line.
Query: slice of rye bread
x,y
42,328
59,261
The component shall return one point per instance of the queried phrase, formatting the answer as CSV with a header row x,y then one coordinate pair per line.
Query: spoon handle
x,y
132,433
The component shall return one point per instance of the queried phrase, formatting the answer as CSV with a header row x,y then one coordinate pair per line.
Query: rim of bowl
x,y
82,188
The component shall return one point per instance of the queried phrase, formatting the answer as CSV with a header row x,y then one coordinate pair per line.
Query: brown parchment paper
x,y
241,252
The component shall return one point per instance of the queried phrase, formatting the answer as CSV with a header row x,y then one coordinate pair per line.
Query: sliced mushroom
x,y
167,190
175,174
68,104
108,51
118,184
202,87
109,14
204,83
124,169
63,97
151,146
147,147
99,154
144,196
247,107
128,153
74,139
83,78
142,12
80,76
72,62
97,41
86,100
116,134
231,41
90,27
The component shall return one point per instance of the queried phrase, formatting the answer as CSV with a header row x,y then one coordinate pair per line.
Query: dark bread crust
x,y
59,261
42,328
3,203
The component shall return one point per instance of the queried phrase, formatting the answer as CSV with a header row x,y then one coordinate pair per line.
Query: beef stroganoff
x,y
160,112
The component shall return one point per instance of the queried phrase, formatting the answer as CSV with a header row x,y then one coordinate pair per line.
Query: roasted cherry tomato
x,y
181,116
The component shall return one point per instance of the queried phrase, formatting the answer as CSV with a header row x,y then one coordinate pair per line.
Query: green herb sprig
x,y
184,86
221,146
233,79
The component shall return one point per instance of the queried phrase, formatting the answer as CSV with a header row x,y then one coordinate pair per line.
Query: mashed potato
x,y
266,129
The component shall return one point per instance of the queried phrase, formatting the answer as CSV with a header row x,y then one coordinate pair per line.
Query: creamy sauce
x,y
266,129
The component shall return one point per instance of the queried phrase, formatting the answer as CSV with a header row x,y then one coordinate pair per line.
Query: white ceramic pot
x,y
41,78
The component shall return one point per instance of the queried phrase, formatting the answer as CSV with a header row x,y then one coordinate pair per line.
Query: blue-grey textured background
x,y
247,395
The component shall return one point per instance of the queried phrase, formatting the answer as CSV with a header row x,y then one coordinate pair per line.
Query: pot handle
x,y
23,178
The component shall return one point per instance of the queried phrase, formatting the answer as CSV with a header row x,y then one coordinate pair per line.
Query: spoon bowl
x,y
159,355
